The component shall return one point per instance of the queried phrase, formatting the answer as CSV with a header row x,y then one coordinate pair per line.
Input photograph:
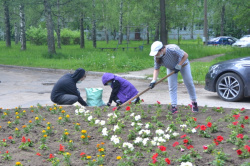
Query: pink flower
x,y
190,105
114,108
175,144
182,150
158,102
242,109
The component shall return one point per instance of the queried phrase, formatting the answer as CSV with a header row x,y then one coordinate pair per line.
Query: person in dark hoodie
x,y
122,90
65,91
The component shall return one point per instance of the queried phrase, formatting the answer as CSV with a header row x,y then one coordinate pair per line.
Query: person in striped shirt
x,y
172,57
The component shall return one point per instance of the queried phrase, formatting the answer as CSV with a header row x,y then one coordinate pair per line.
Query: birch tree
x,y
22,26
120,22
7,23
93,24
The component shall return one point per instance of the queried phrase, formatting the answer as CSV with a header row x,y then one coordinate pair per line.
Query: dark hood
x,y
107,77
78,74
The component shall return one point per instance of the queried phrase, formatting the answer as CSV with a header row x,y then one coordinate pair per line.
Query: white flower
x,y
159,132
139,124
133,114
110,114
193,130
147,132
145,141
167,136
147,126
115,139
155,139
161,139
167,129
128,145
175,134
186,164
133,123
153,143
97,121
138,140
104,132
102,122
184,125
90,118
116,127
137,117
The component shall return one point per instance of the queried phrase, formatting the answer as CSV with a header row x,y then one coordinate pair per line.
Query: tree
x,y
205,30
94,25
163,31
50,27
7,23
120,22
22,27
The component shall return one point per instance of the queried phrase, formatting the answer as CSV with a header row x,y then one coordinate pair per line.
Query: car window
x,y
230,40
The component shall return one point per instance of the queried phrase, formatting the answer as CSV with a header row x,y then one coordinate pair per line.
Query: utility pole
x,y
205,35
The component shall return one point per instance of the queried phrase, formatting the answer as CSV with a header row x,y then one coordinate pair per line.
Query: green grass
x,y
72,57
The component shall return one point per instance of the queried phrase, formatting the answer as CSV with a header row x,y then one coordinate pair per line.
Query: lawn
x,y
136,135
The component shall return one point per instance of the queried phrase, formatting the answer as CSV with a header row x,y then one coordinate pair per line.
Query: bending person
x,y
65,91
122,89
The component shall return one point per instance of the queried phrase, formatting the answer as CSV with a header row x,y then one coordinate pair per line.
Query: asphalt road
x,y
27,87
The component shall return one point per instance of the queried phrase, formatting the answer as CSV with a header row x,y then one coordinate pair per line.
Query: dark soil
x,y
141,156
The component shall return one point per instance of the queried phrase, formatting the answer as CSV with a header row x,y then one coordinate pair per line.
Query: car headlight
x,y
213,67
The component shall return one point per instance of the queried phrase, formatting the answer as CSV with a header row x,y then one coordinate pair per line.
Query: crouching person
x,y
122,90
65,91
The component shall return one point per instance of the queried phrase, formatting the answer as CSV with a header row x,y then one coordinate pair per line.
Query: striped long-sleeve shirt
x,y
171,58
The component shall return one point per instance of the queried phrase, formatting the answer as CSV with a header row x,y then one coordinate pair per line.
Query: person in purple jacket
x,y
122,90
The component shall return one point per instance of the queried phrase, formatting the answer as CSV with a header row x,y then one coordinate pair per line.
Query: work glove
x,y
108,104
152,84
177,68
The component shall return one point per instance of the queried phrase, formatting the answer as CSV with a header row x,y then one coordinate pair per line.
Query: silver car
x,y
243,42
230,79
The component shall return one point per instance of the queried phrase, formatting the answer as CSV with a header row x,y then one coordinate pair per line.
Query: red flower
x,y
220,138
162,148
61,148
194,119
185,141
127,108
183,136
7,151
82,154
247,148
155,156
236,116
51,156
167,161
114,108
129,103
203,127
190,146
23,139
235,123
158,102
240,136
4,140
38,154
242,109
204,147
218,108
28,140
239,152
190,105
216,143
142,100
197,126
154,160
246,117
10,137
175,144
242,126
209,124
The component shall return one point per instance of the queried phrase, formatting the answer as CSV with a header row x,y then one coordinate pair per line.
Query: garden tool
x,y
139,94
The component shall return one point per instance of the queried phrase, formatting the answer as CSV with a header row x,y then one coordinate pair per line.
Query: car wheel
x,y
229,87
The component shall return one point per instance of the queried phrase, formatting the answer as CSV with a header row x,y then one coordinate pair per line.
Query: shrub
x,y
37,36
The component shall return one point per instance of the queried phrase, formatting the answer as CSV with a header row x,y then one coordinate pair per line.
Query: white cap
x,y
155,47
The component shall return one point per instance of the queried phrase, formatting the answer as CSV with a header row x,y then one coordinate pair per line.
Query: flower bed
x,y
135,135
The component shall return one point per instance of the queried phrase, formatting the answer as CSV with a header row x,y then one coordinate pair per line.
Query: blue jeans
x,y
188,81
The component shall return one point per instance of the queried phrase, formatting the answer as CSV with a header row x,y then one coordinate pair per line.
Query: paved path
x,y
24,86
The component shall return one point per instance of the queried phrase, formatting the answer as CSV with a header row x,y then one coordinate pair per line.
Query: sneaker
x,y
174,110
195,107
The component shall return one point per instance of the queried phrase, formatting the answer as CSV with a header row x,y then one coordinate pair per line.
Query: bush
x,y
37,36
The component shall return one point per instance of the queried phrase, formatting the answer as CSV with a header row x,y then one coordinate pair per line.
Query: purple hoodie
x,y
127,90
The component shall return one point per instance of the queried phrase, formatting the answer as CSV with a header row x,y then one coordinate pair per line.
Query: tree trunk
x,y
7,24
163,34
205,32
22,27
128,32
94,25
58,27
16,33
81,32
105,26
178,36
147,35
222,20
157,32
50,27
192,26
120,22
